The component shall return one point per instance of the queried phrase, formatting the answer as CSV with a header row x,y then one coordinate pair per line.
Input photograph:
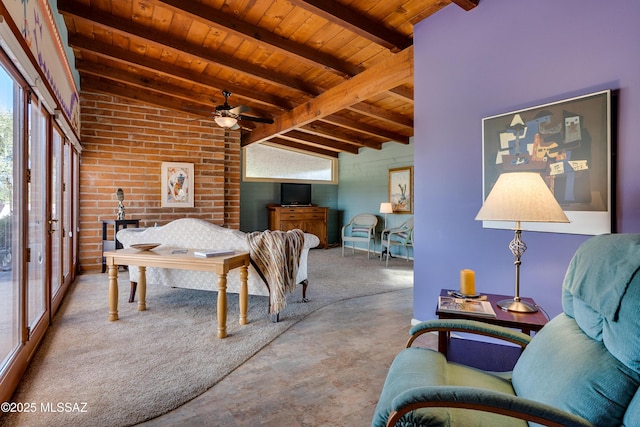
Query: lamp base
x,y
518,306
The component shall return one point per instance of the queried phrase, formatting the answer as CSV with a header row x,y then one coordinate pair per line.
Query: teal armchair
x,y
361,229
581,369
399,236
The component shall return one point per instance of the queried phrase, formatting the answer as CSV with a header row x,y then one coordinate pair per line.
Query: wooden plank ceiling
x,y
334,76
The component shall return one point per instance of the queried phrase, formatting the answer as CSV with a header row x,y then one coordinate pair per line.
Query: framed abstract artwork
x,y
177,185
568,143
401,189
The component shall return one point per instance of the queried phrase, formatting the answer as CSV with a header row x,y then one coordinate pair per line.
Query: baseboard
x,y
376,252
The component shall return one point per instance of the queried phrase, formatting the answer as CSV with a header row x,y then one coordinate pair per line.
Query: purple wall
x,y
503,56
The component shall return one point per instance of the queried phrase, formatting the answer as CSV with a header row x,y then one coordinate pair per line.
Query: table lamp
x,y
520,197
386,208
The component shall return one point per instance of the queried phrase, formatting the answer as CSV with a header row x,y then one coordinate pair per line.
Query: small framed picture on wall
x,y
177,185
401,189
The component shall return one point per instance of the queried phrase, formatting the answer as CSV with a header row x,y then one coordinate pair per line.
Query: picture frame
x,y
569,143
401,189
177,185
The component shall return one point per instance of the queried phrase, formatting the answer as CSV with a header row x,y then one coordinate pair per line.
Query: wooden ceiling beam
x,y
164,99
91,83
403,93
339,134
305,138
198,103
466,4
190,107
214,18
364,128
131,79
382,115
357,23
164,68
326,107
126,28
385,75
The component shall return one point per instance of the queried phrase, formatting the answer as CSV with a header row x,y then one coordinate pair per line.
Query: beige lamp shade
x,y
386,208
521,196
226,122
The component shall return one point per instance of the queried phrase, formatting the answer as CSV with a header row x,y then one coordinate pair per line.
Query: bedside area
x,y
483,355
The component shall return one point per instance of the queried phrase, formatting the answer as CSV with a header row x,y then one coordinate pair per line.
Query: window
x,y
267,162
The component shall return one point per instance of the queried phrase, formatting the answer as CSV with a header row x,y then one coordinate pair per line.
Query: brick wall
x,y
124,144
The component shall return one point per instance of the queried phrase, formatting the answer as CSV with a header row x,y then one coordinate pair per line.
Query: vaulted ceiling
x,y
334,76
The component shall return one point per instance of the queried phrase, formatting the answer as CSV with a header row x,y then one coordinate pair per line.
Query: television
x,y
295,194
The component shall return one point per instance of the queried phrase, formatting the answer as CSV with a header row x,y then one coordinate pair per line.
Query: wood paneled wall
x,y
124,144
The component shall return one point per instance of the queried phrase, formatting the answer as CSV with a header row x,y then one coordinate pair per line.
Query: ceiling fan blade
x,y
255,119
239,109
235,127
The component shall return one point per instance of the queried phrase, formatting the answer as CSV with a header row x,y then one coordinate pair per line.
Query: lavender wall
x,y
502,56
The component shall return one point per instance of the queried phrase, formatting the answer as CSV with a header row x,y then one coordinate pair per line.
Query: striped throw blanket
x,y
276,254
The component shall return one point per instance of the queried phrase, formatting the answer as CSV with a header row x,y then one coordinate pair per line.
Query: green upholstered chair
x,y
361,229
581,369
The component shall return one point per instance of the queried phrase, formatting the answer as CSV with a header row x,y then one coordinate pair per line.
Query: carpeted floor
x,y
325,371
135,369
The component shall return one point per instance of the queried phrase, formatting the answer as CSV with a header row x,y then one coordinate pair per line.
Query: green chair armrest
x,y
470,326
482,400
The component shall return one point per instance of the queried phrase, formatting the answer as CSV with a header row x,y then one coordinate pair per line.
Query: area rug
x,y
89,371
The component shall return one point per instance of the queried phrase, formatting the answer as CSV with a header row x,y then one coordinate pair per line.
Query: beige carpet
x,y
147,363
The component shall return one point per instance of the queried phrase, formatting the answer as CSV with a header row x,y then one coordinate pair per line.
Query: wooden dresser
x,y
310,219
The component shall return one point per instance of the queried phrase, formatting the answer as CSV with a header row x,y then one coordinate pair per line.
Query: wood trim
x,y
335,12
385,75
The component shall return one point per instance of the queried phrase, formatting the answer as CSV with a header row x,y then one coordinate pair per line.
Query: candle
x,y
467,282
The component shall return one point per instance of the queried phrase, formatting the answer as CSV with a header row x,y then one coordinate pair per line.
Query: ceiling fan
x,y
227,116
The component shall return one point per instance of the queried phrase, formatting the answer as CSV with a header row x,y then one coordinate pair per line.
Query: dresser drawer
x,y
313,215
291,216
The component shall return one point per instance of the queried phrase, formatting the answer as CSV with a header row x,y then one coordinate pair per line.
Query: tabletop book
x,y
465,306
213,253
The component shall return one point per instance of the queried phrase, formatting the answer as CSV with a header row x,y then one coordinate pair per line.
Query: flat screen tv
x,y
295,194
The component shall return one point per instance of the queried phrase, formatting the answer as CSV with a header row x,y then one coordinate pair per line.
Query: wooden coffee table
x,y
177,258
526,322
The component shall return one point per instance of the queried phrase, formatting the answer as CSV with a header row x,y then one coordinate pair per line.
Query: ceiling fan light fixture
x,y
226,122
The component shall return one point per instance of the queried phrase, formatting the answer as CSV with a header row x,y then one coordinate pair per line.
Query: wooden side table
x,y
110,244
526,322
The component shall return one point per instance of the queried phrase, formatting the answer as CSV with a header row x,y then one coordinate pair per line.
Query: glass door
x,y
11,118
67,230
38,222
75,216
37,231
55,211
